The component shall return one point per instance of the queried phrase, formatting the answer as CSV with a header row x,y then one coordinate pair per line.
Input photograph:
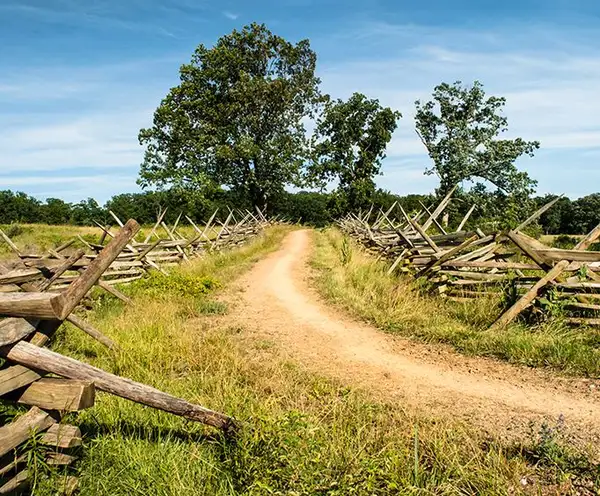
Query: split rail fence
x,y
39,292
468,263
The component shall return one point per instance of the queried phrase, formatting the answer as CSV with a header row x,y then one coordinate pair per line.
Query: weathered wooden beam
x,y
15,329
424,235
397,261
435,221
63,395
62,436
20,276
449,254
92,331
583,321
531,295
31,305
114,216
61,269
88,245
19,430
43,359
59,459
16,377
79,288
524,244
14,464
440,208
465,219
491,265
153,230
17,484
589,238
571,255
107,286
9,242
65,245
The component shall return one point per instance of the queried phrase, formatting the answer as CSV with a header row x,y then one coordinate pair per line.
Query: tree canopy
x,y
349,144
460,128
236,118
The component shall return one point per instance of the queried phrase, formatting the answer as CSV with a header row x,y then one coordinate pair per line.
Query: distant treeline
x,y
566,217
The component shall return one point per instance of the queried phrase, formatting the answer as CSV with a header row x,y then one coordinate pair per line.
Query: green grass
x,y
361,285
37,238
301,434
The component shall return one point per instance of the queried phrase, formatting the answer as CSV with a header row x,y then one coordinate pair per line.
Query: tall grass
x,y
396,305
301,434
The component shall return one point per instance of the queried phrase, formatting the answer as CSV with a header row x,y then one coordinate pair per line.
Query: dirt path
x,y
277,303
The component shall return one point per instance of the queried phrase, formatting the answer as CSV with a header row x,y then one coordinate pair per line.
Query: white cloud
x,y
230,15
551,92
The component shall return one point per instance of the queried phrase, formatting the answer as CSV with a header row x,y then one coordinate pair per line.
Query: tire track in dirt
x,y
276,302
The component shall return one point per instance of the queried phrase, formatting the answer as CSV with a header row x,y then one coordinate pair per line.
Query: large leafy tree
x,y
461,128
350,139
236,118
585,214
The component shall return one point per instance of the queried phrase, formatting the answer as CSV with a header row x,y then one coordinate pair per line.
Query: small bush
x,y
14,230
345,251
177,283
212,307
564,241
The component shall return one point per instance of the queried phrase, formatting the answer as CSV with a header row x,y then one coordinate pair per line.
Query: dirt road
x,y
276,302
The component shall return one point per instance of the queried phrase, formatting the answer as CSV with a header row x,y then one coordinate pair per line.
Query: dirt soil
x,y
275,302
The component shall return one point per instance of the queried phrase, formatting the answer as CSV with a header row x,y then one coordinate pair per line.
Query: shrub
x,y
564,241
177,283
14,230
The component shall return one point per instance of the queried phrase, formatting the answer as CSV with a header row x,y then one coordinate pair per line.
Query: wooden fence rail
x,y
472,264
40,291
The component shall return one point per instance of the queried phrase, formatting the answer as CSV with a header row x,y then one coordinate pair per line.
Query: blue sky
x,y
79,78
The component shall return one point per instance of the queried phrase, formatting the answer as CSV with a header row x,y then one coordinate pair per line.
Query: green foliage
x,y
307,207
177,282
14,230
87,211
564,241
585,214
236,117
460,128
349,144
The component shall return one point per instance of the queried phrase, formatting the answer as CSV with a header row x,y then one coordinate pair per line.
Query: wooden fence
x,y
469,263
39,292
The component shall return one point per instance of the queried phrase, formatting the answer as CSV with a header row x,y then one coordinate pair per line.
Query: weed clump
x,y
176,283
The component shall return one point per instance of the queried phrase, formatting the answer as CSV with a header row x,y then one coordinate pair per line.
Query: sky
x,y
79,78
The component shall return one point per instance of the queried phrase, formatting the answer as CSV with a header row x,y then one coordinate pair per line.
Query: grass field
x,y
37,238
302,434
356,282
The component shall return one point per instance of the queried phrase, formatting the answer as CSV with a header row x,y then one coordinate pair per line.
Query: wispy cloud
x,y
82,13
230,15
550,90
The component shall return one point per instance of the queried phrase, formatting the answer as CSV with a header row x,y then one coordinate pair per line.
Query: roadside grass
x,y
360,284
301,434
